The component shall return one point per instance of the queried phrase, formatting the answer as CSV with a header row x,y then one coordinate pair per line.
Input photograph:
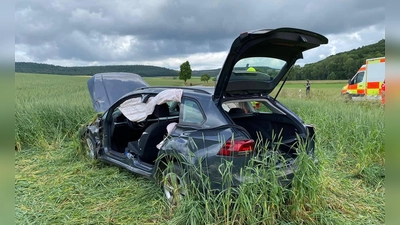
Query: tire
x,y
173,184
347,97
91,150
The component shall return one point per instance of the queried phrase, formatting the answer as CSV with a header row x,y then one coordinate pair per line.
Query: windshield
x,y
257,68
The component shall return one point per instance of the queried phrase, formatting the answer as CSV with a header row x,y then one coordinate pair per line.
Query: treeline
x,y
341,66
143,70
212,72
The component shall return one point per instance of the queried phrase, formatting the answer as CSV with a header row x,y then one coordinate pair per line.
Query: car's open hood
x,y
283,44
106,88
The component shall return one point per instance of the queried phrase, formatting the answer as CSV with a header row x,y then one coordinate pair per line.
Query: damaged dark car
x,y
143,128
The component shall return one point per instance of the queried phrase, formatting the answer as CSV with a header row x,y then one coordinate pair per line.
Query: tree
x,y
332,76
185,72
205,77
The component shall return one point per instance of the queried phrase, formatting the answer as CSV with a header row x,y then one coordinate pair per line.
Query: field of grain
x,y
55,183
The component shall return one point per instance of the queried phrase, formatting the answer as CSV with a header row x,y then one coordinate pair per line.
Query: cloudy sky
x,y
168,32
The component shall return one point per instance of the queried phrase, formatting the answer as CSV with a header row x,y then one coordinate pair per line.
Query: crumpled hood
x,y
106,88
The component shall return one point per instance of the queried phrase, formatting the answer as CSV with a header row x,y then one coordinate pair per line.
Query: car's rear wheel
x,y
91,150
174,185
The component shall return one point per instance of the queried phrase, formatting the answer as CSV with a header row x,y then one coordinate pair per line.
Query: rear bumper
x,y
283,177
245,169
236,176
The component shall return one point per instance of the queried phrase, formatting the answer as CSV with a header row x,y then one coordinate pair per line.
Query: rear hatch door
x,y
258,60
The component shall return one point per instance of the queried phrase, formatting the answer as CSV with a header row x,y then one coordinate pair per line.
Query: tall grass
x,y
49,109
264,198
55,183
352,133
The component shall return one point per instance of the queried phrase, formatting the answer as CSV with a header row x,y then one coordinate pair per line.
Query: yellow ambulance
x,y
367,82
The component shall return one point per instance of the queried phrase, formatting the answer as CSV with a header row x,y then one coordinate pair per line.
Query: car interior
x,y
266,124
141,138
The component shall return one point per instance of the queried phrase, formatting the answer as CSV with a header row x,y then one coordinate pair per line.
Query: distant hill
x,y
335,67
212,72
143,70
341,66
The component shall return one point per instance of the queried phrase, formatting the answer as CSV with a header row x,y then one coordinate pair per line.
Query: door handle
x,y
185,135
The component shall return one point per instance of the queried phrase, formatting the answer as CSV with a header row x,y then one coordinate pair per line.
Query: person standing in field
x,y
308,86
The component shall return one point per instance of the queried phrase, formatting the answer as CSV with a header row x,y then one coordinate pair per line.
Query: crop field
x,y
56,183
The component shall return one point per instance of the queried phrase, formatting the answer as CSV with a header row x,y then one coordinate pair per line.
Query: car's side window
x,y
244,106
261,107
174,108
247,107
191,113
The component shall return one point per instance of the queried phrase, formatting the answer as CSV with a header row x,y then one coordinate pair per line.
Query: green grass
x,y
317,84
55,183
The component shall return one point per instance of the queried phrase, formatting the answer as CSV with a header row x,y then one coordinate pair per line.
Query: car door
x,y
357,84
195,142
118,131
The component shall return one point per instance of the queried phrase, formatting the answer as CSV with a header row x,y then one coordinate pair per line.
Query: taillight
x,y
237,148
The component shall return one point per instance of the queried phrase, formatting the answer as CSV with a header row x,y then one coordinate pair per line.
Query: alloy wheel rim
x,y
91,148
174,188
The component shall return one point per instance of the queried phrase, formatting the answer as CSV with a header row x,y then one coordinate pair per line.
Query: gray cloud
x,y
121,31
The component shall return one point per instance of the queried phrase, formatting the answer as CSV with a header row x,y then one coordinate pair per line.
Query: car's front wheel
x,y
174,185
91,150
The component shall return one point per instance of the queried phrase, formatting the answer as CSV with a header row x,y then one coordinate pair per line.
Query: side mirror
x,y
349,81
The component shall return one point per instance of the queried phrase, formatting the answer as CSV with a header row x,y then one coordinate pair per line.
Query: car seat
x,y
146,146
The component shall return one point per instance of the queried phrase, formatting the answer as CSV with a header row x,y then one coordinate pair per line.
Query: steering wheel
x,y
142,124
136,125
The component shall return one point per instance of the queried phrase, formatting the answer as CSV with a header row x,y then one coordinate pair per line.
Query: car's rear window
x,y
257,68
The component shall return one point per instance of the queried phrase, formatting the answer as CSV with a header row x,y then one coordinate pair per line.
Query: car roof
x,y
192,89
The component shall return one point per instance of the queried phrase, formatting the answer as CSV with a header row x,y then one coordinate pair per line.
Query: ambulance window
x,y
359,78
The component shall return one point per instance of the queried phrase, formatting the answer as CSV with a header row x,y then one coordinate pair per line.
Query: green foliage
x,y
205,78
49,111
185,72
211,72
56,184
332,76
341,66
142,70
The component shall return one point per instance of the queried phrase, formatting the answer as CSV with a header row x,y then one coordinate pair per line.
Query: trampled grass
x,y
55,183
